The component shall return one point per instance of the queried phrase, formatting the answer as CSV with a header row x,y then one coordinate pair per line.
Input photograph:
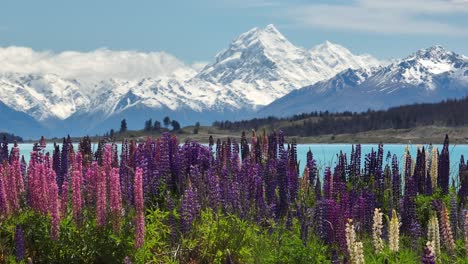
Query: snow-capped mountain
x,y
428,75
42,96
262,65
258,68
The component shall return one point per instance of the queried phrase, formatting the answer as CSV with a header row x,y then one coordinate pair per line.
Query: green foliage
x,y
157,247
404,255
217,238
76,244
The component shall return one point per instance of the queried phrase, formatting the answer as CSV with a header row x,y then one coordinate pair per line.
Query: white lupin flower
x,y
433,235
377,227
355,248
394,233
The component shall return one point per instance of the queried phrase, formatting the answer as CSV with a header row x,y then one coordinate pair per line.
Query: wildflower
x,y
19,243
377,231
429,255
189,208
394,232
443,169
77,197
350,237
434,167
115,198
446,229
54,210
140,217
433,234
466,231
355,248
101,207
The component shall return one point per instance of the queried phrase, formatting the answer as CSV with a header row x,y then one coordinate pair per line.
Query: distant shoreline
x,y
418,135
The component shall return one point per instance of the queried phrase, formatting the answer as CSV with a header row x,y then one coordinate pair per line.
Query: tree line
x,y
450,113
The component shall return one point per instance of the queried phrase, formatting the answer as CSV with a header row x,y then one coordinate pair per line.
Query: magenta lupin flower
x,y
64,199
140,230
115,198
12,193
18,175
140,217
54,211
77,197
138,186
3,199
101,207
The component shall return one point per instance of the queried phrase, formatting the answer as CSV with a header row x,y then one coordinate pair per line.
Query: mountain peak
x,y
271,28
267,37
436,52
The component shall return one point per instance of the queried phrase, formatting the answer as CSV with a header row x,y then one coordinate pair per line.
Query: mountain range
x,y
260,73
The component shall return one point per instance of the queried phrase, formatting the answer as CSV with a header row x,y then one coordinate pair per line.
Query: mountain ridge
x,y
256,72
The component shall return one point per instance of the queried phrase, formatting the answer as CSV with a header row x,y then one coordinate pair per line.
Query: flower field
x,y
160,201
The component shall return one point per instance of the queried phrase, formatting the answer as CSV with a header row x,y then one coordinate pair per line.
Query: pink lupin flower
x,y
78,163
90,182
54,210
77,197
140,217
44,189
3,198
101,207
12,193
116,198
18,174
64,199
138,190
140,230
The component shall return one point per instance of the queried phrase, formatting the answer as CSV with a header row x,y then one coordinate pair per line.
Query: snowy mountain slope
x,y
42,96
428,75
262,65
259,73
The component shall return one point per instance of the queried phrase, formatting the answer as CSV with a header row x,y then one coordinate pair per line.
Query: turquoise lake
x,y
326,154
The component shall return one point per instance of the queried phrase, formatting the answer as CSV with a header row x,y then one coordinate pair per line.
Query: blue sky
x,y
196,30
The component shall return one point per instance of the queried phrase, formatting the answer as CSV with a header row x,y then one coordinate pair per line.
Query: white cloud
x,y
383,16
90,66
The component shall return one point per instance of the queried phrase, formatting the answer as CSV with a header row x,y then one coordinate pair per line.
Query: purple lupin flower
x,y
454,214
189,209
244,146
171,219
428,255
19,244
327,184
420,171
270,183
139,208
214,191
259,198
318,190
463,179
396,183
283,184
443,175
312,167
409,206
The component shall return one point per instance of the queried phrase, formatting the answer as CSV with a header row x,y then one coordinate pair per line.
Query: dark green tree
x,y
123,126
148,125
196,128
157,126
167,121
175,125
